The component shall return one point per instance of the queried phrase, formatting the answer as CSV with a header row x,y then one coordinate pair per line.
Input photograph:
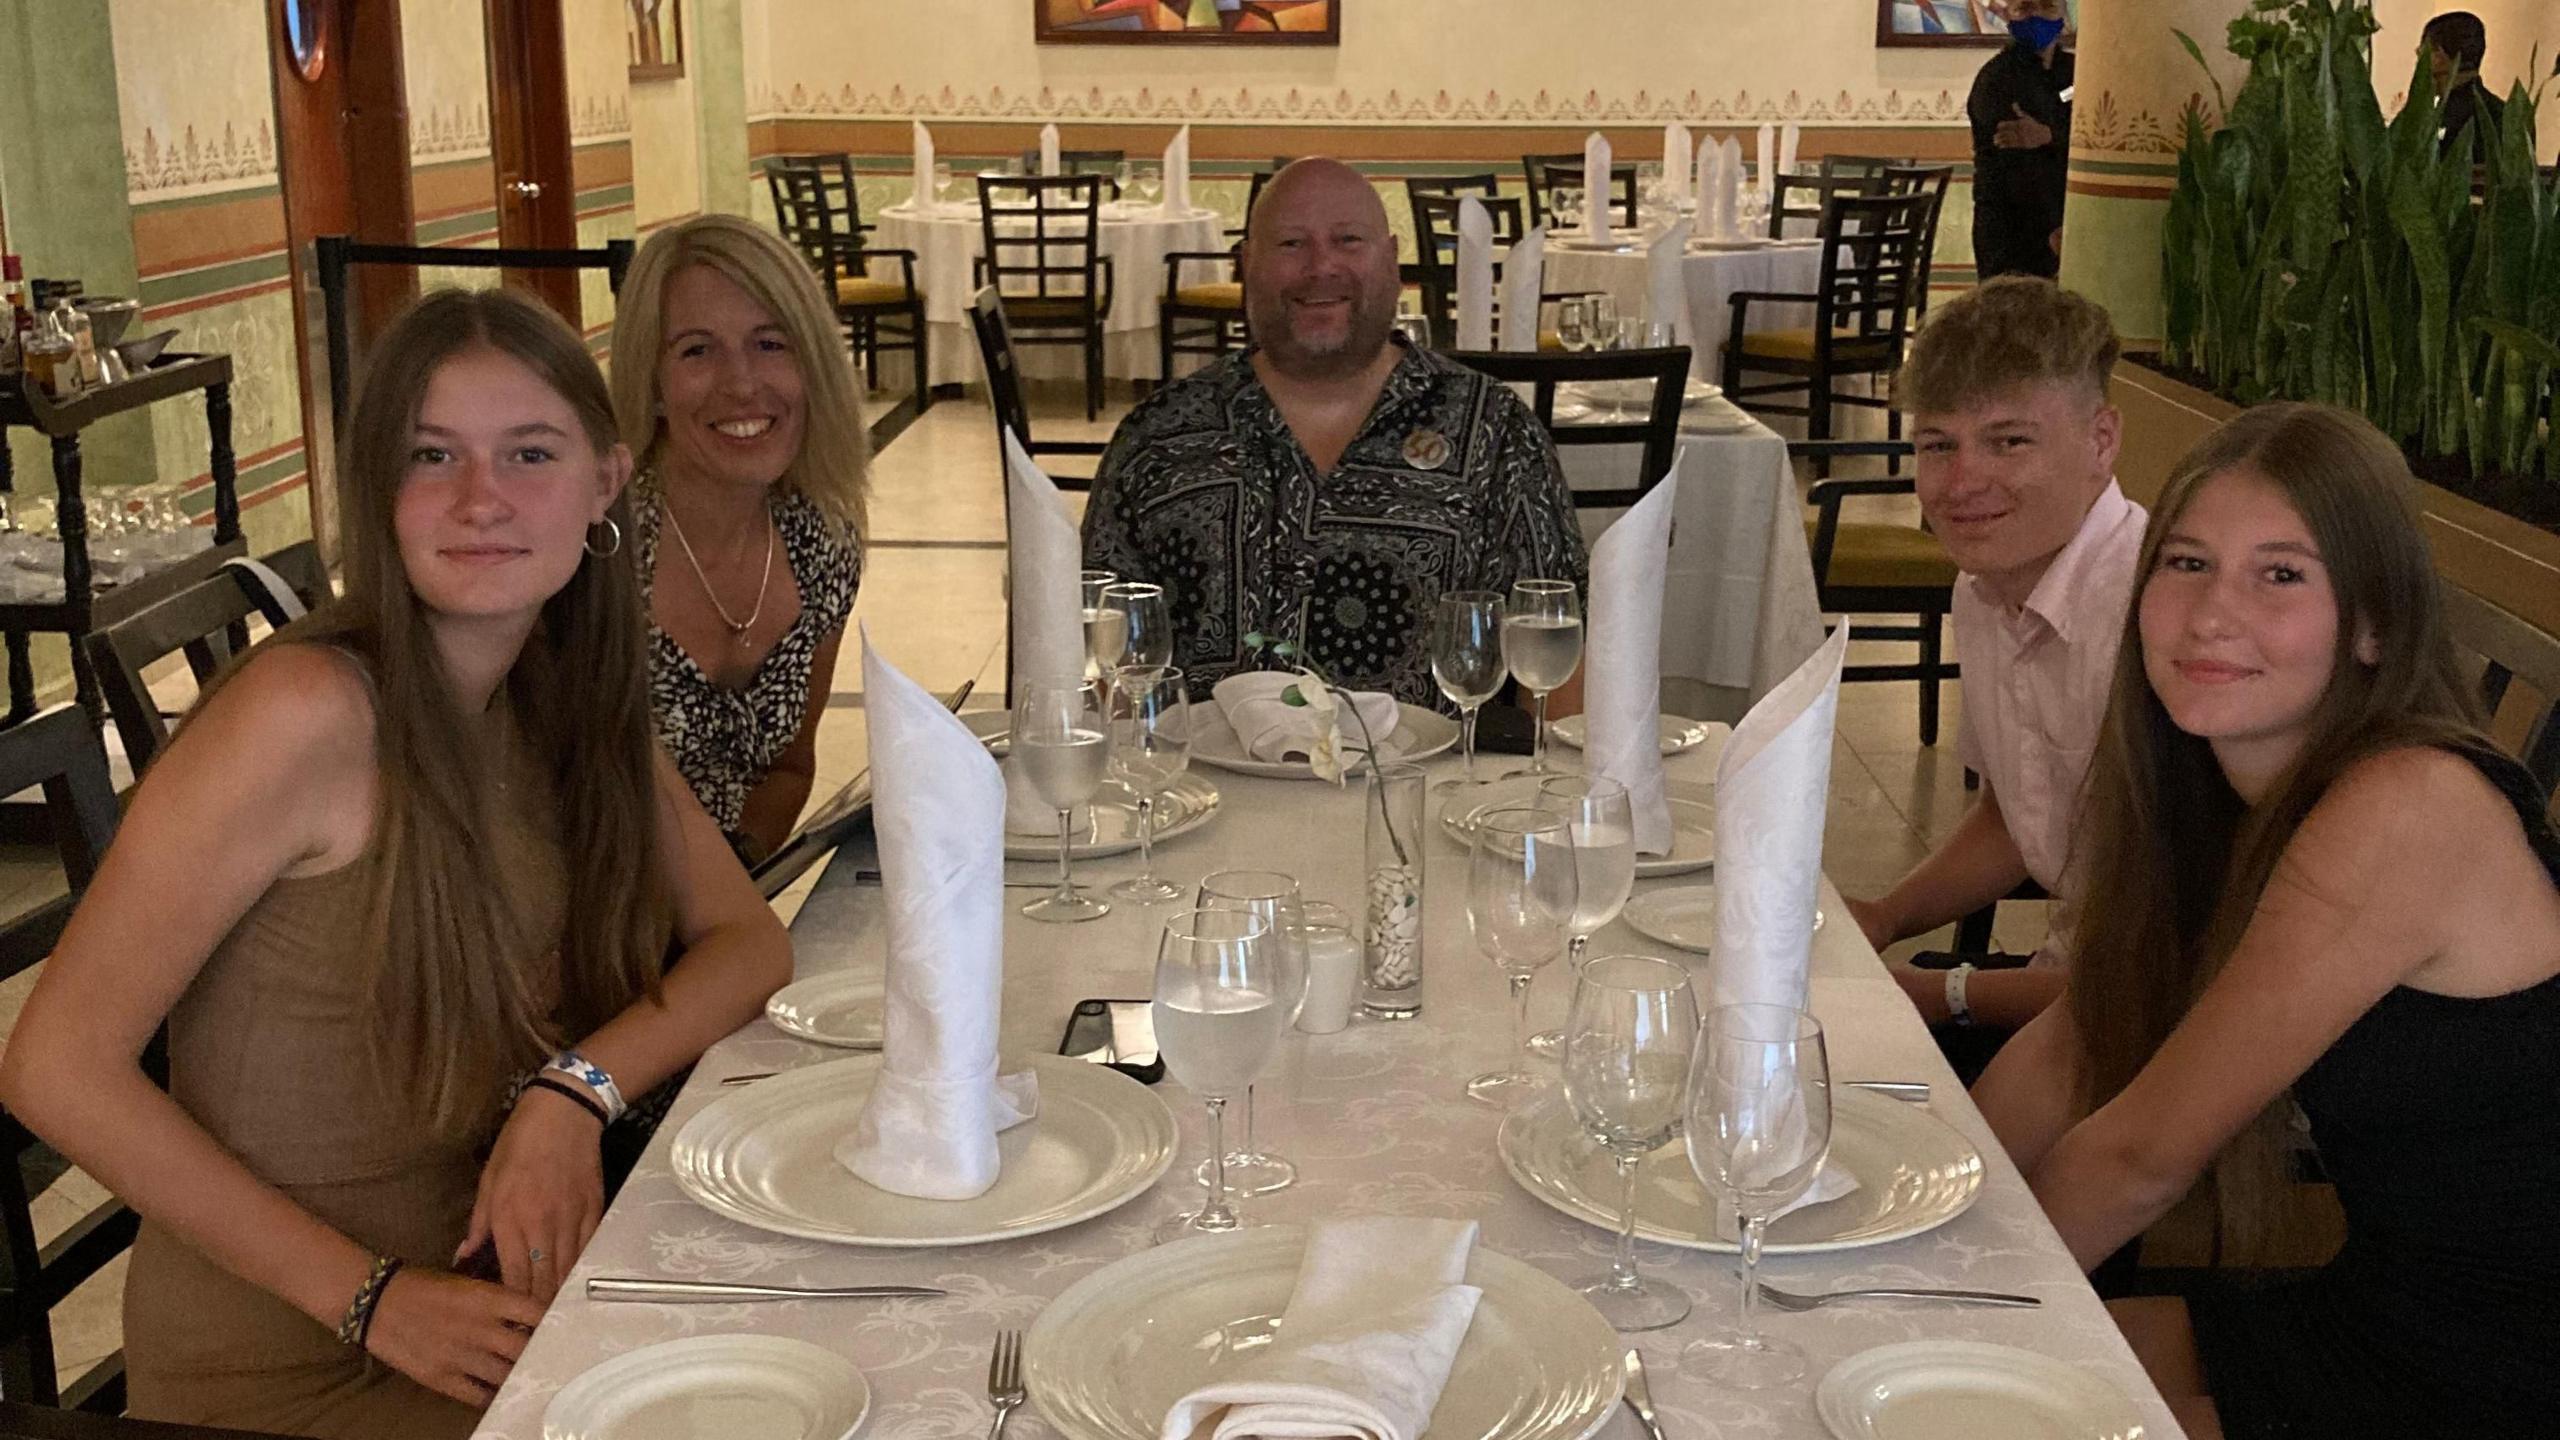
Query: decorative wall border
x,y
1299,105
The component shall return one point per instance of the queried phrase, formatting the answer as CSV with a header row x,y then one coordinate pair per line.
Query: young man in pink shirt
x,y
2006,390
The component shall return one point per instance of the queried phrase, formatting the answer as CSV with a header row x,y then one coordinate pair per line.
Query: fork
x,y
1789,1300
1004,1379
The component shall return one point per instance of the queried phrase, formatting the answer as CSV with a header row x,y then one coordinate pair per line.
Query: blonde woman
x,y
732,389
410,847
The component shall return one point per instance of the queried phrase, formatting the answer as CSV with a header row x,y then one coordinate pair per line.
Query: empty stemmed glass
x,y
1124,180
1217,1014
1274,897
1758,1122
1601,819
1628,1043
1520,892
1150,746
1106,629
1466,662
1542,645
1062,741
1146,623
1568,203
941,183
1150,182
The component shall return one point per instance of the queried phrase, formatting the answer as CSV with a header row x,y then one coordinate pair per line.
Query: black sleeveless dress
x,y
2439,1119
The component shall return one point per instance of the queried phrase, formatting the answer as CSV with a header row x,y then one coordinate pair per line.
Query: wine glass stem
x,y
1520,1026
1066,880
1622,1267
1538,739
1248,1153
1467,738
1573,949
1216,1214
1146,838
1748,1323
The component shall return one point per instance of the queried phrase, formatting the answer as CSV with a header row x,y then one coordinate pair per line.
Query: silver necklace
x,y
737,628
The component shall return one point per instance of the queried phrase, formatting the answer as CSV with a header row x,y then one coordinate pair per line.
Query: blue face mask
x,y
2036,32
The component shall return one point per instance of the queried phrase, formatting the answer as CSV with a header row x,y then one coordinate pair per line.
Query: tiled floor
x,y
933,601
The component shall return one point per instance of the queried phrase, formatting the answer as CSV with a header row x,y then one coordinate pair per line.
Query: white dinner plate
x,y
1679,732
765,1156
1683,916
1914,1174
1693,822
841,1007
713,1387
1734,242
1109,1357
1419,735
1961,1389
1111,826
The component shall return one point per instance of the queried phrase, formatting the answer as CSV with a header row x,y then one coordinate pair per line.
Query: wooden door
x,y
529,141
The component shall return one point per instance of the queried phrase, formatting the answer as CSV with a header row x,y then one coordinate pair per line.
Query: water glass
x,y
1106,630
1520,896
941,182
1603,822
1150,747
1150,182
1573,323
1629,1039
1391,852
1568,203
1758,1122
1062,741
1542,646
1218,1014
1272,897
1466,662
1146,623
1124,180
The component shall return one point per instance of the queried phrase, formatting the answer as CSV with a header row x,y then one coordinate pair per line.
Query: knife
x,y
1640,1395
1915,1092
707,1292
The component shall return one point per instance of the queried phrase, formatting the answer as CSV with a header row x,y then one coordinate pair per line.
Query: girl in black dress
x,y
2314,882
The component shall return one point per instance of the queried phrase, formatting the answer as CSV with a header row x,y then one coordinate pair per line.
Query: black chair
x,y
34,1422
1261,180
2509,648
1931,181
1204,315
1004,391
1105,163
1873,264
1435,240
1857,167
1655,426
1863,568
1545,173
1802,197
818,208
60,752
208,623
1042,239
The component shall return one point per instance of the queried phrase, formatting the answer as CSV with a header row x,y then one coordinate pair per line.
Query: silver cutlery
x,y
1789,1300
752,1076
1640,1395
1004,1379
1915,1092
872,877
712,1292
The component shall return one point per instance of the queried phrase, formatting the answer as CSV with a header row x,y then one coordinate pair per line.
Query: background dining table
x,y
1375,1121
1712,275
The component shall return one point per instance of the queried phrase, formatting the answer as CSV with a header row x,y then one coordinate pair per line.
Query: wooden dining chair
x,y
1879,568
1546,173
1105,163
2507,648
1857,167
1041,239
1873,262
207,622
1798,200
1654,424
1930,181
1004,393
818,208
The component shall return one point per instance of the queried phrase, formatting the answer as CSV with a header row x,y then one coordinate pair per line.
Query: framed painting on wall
x,y
656,28
1950,22
1187,22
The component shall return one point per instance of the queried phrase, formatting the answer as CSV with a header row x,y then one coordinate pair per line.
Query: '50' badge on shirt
x,y
1426,449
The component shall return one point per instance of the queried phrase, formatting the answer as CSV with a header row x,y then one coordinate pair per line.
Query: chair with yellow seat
x,y
1873,568
1202,312
818,209
1040,240
1874,263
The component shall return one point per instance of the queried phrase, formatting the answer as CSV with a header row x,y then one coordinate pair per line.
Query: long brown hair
x,y
453,1007
2175,861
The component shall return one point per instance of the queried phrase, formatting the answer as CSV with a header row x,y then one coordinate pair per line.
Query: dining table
x,y
1374,1118
1712,272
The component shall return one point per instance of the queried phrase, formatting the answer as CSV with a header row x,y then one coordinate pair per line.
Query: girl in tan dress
x,y
413,846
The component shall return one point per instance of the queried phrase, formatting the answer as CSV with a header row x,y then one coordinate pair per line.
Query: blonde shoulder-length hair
x,y
833,468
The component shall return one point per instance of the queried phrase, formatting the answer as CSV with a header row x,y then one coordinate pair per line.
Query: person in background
x,y
2007,394
2456,42
403,851
732,387
2020,110
2313,881
1329,484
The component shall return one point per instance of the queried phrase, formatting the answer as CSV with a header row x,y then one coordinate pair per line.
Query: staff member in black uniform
x,y
2456,43
2021,114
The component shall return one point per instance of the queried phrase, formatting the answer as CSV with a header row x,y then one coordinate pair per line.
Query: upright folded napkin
x,y
1709,183
1788,139
1523,281
1768,156
1177,174
1595,188
1475,275
1622,691
1667,284
1365,1344
1675,159
1272,729
1772,789
1728,187
923,201
1048,149
1048,608
929,1129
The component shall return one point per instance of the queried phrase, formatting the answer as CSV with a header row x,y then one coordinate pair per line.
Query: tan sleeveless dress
x,y
269,1051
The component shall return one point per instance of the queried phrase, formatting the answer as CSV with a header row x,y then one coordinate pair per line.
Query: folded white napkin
x,y
1048,149
1768,156
1523,280
1773,788
1667,283
1675,158
1177,174
1709,179
1365,1344
923,202
1729,195
1595,188
1047,598
1272,729
1788,139
929,1128
1475,275
1622,688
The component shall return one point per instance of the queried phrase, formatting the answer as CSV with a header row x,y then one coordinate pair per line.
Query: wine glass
x,y
1274,897
1150,182
1217,1014
1628,1042
1520,893
1758,1121
1542,645
1062,741
1573,323
1106,630
1146,623
1568,203
941,183
1602,818
1466,662
1649,194
1150,746
1124,180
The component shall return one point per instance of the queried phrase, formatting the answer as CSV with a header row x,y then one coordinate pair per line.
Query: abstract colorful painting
x,y
1947,22
1188,22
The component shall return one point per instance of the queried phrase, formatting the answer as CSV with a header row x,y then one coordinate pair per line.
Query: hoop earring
x,y
613,546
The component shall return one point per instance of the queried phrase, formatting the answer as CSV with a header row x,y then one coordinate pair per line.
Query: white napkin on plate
x,y
929,1129
1048,149
1366,1342
1595,188
1667,284
1729,191
1675,159
923,201
1773,788
1047,597
1524,273
1271,729
1475,275
1788,139
1768,156
1622,689
1708,174
1177,175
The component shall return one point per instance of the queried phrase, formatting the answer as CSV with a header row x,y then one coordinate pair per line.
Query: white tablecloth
x,y
1712,276
1376,1122
948,242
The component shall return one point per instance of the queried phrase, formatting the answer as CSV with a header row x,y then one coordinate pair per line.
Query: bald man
x,y
1329,484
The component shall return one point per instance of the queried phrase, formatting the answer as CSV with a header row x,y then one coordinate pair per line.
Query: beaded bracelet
x,y
597,1080
586,1101
358,1321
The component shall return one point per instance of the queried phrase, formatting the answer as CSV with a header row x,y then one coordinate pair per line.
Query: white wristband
x,y
574,1066
1958,1010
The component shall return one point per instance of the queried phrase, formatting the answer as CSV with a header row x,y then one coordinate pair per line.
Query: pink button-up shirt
x,y
2035,690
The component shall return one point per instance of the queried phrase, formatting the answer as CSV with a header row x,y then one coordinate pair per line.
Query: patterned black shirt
x,y
1450,485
